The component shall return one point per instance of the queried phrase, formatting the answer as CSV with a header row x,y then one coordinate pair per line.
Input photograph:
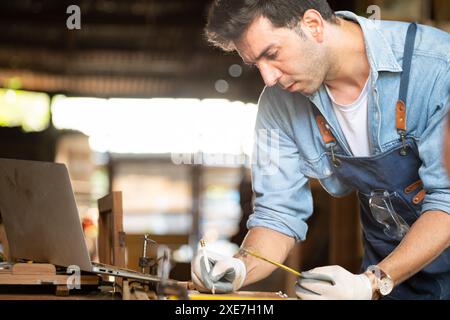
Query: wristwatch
x,y
385,284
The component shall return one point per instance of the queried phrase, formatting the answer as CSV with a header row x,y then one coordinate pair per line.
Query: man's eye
x,y
272,56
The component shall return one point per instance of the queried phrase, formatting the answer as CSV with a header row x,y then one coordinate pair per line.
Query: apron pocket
x,y
400,206
403,209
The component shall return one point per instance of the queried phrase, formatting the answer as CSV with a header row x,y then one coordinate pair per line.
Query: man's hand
x,y
348,286
226,274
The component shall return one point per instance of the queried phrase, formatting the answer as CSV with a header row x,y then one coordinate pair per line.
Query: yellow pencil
x,y
319,277
282,266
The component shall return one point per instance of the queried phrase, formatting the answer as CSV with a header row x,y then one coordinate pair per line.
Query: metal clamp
x,y
145,261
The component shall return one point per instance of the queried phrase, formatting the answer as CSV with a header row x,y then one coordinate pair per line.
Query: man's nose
x,y
270,74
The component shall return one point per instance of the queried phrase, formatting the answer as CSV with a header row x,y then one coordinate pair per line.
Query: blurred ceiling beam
x,y
122,86
131,37
136,63
135,48
105,11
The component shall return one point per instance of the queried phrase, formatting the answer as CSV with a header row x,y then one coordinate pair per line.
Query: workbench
x,y
31,281
8,293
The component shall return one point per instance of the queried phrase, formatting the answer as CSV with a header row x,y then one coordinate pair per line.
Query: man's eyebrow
x,y
262,54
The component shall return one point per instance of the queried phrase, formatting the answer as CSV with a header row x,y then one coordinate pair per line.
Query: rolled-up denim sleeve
x,y
431,148
283,200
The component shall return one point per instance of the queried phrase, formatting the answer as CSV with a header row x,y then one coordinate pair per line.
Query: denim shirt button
x,y
327,172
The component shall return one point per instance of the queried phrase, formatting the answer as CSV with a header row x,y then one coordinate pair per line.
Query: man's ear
x,y
313,24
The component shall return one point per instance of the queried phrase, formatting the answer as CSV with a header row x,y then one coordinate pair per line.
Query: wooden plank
x,y
105,204
33,268
33,279
126,290
62,291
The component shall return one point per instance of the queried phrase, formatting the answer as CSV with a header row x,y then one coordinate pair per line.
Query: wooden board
x,y
42,274
39,268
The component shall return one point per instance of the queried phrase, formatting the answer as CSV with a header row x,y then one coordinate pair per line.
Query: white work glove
x,y
226,274
347,286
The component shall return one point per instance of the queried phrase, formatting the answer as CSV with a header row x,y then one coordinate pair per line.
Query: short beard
x,y
298,30
319,64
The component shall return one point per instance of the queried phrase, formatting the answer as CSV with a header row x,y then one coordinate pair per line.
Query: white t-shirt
x,y
353,120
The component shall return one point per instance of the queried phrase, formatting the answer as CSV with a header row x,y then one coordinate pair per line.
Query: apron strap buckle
x,y
336,162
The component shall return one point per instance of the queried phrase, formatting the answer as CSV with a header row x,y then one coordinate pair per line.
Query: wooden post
x,y
111,238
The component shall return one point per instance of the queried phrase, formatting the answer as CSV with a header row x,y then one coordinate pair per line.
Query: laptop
x,y
41,218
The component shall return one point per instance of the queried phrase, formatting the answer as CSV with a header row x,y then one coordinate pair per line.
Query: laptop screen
x,y
40,215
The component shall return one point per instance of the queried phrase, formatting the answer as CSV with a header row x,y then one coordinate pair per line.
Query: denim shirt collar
x,y
379,53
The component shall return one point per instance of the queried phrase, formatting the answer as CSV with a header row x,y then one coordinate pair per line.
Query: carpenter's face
x,y
293,60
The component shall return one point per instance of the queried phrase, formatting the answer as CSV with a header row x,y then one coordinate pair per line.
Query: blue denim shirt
x,y
283,196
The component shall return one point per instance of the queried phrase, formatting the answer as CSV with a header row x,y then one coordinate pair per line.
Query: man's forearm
x,y
271,244
426,240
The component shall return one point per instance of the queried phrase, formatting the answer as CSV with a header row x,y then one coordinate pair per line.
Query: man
x,y
359,105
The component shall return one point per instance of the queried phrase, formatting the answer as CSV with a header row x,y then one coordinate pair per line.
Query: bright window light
x,y
29,110
159,125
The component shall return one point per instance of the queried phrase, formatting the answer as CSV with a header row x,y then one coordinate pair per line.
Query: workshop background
x,y
137,101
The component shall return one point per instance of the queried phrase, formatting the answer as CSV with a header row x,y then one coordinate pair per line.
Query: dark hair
x,y
228,19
